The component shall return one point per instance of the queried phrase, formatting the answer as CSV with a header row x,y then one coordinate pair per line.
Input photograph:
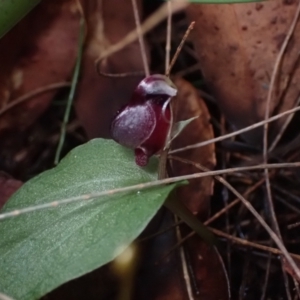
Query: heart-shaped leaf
x,y
41,250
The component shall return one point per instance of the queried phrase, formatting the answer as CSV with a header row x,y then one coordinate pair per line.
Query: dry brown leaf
x,y
209,270
39,51
210,278
197,194
98,97
237,46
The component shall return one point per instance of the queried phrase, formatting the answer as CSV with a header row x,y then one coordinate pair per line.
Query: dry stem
x,y
32,94
249,206
226,136
266,126
150,23
140,36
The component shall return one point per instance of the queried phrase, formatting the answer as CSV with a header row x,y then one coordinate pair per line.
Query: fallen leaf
x,y
39,51
197,194
237,46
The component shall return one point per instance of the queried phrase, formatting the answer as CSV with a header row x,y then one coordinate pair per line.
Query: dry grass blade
x,y
265,138
275,74
190,28
283,128
267,113
173,109
150,23
249,206
168,37
185,271
151,184
246,243
267,275
233,203
294,225
117,75
140,36
235,133
32,94
297,289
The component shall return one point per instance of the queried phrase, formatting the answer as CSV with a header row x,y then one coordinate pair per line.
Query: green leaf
x,y
179,126
41,250
11,12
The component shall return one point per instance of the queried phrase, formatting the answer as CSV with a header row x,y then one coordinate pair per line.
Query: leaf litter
x,y
242,224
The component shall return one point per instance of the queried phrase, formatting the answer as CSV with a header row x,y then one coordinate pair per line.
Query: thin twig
x,y
275,74
262,222
226,136
162,172
297,296
164,154
287,204
44,89
168,38
293,225
150,23
247,243
281,98
265,138
140,36
225,158
264,290
286,193
72,91
283,128
190,28
93,196
117,75
236,240
189,70
185,271
233,203
121,75
267,113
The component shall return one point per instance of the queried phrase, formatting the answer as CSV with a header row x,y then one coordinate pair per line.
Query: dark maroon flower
x,y
143,124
